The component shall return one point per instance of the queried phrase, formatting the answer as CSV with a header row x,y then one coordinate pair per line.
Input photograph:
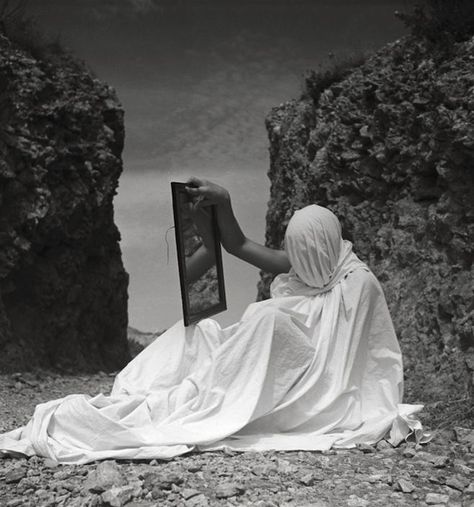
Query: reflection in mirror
x,y
199,257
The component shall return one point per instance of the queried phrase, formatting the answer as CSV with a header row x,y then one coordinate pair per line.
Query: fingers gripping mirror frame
x,y
179,195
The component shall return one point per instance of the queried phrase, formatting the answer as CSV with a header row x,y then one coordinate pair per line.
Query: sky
x,y
196,79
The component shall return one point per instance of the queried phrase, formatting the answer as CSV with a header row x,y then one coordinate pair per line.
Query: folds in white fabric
x,y
296,372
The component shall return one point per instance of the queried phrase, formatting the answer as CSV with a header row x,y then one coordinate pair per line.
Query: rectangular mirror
x,y
199,254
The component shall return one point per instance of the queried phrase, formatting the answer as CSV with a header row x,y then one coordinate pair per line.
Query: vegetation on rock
x,y
390,149
441,21
19,29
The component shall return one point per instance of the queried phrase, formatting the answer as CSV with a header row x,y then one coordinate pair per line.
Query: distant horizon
x,y
196,85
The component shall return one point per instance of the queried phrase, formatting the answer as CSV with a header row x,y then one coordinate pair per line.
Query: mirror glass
x,y
199,258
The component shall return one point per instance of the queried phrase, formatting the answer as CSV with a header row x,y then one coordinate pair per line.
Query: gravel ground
x,y
439,473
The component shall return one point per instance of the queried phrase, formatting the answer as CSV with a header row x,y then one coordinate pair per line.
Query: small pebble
x,y
409,452
15,475
227,489
188,493
197,501
308,479
117,496
355,501
436,499
366,448
461,468
405,486
194,468
458,483
383,444
440,461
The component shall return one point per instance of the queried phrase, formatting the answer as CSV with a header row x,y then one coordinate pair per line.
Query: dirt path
x,y
440,473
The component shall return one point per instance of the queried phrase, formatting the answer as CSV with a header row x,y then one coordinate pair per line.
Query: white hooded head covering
x,y
318,255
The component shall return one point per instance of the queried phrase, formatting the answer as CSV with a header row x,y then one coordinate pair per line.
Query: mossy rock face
x,y
63,287
390,149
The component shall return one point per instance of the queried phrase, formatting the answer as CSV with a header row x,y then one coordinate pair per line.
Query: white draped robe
x,y
314,367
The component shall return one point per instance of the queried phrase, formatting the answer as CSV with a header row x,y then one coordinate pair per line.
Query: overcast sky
x,y
196,79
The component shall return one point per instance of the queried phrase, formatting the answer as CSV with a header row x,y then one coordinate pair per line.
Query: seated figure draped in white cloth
x,y
316,366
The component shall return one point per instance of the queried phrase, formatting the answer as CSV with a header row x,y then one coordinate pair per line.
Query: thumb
x,y
194,182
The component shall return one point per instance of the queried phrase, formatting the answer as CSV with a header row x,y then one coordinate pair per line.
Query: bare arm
x,y
233,239
198,263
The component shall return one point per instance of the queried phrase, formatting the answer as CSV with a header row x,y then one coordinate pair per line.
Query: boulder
x,y
63,287
389,149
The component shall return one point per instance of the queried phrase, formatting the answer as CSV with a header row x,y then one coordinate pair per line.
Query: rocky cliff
x,y
63,288
390,149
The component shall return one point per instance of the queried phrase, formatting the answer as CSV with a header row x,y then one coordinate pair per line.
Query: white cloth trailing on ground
x,y
317,365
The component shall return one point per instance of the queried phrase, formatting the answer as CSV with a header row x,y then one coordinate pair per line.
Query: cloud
x,y
144,5
105,9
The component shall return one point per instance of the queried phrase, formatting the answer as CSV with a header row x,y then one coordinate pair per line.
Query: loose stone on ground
x,y
439,473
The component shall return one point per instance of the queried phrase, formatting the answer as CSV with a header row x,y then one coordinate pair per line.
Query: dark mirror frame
x,y
177,191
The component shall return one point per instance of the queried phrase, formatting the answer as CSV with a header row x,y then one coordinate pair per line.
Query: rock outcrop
x,y
139,340
390,149
63,287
